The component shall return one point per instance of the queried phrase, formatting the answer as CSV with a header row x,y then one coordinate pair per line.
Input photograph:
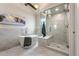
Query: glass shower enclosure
x,y
56,24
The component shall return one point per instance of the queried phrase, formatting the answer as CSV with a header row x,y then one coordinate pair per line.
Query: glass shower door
x,y
57,27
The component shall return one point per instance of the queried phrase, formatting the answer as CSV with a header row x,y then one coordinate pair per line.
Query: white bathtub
x,y
34,40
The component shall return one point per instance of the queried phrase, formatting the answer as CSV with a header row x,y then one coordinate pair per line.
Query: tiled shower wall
x,y
56,26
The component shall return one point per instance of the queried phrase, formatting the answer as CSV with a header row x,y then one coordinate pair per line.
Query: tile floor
x,y
38,51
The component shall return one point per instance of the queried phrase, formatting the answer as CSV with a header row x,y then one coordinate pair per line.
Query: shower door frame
x,y
71,28
76,29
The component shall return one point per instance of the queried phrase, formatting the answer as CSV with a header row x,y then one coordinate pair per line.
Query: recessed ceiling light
x,y
56,9
36,6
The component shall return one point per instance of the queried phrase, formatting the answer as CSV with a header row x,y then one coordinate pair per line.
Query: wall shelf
x,y
9,23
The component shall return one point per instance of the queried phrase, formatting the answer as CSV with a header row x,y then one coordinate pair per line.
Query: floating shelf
x,y
15,24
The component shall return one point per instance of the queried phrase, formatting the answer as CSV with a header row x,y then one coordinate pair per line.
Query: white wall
x,y
77,29
9,33
38,22
20,10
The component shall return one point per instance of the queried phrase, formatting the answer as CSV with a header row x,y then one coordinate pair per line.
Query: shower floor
x,y
58,47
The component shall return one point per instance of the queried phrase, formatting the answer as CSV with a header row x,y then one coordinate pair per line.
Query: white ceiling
x,y
43,6
21,6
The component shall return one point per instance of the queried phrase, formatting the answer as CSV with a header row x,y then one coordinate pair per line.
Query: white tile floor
x,y
38,51
42,51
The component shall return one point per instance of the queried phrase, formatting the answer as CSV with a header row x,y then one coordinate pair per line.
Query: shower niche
x,y
56,24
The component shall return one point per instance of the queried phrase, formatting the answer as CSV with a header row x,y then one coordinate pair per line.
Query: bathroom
x,y
54,16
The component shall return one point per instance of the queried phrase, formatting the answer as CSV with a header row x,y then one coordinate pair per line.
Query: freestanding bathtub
x,y
28,41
